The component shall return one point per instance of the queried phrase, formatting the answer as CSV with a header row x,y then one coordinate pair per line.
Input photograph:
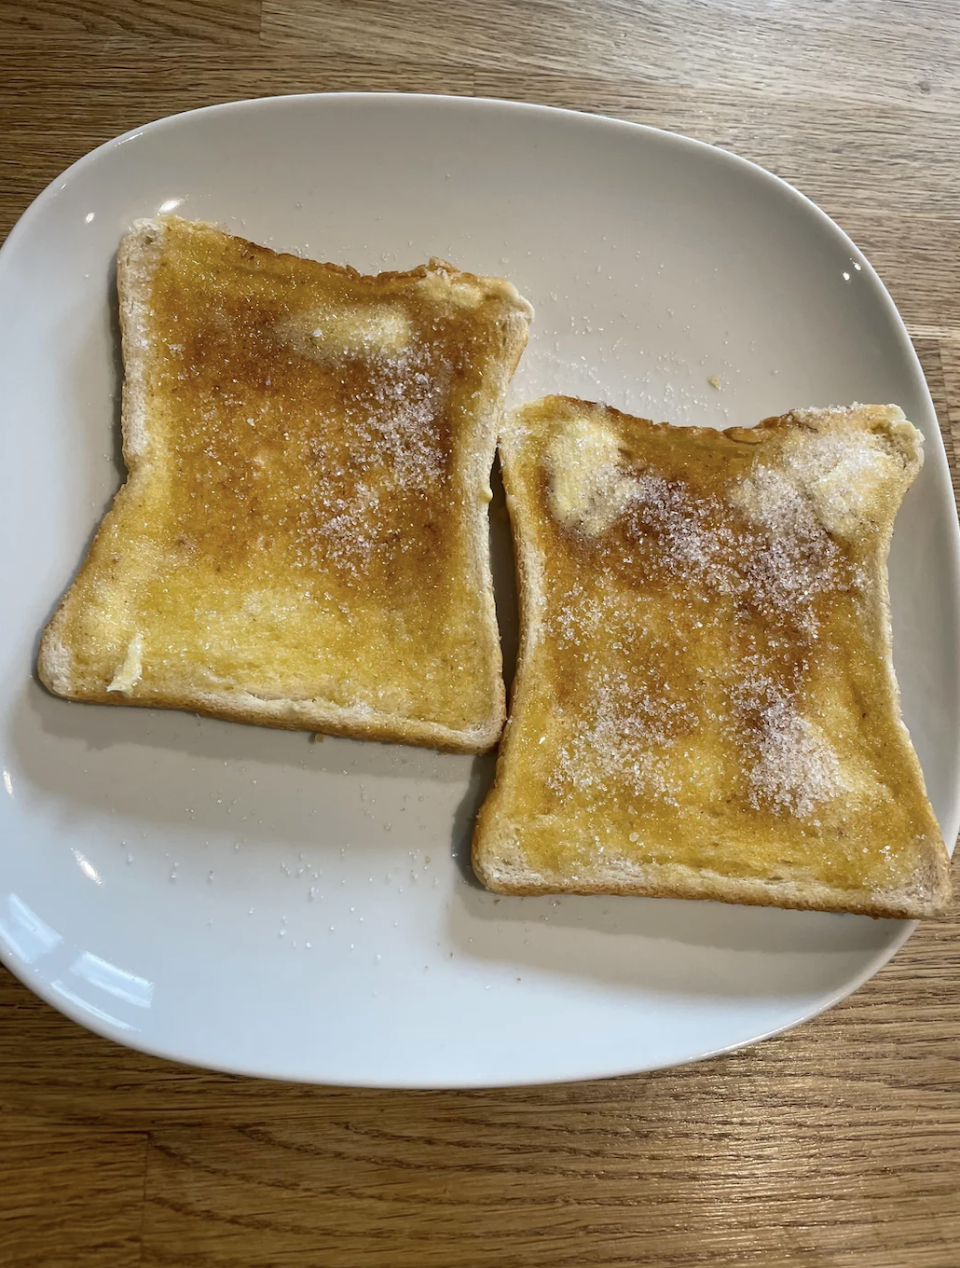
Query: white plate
x,y
250,900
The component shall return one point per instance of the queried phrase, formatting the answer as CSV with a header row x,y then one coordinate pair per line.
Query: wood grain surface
x,y
837,1145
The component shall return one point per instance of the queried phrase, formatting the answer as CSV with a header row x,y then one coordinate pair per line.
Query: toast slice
x,y
705,704
302,540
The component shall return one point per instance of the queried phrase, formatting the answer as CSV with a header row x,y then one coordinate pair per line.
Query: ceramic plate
x,y
256,901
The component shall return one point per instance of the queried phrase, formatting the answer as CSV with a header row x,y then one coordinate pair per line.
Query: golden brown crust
x,y
301,541
698,886
705,704
282,716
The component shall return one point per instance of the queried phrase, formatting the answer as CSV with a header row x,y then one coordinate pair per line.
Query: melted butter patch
x,y
835,478
439,286
848,482
357,331
129,673
587,490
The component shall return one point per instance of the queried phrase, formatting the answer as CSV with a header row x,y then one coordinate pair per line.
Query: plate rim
x,y
467,103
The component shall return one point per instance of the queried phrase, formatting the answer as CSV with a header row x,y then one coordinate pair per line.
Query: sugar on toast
x,y
302,540
705,704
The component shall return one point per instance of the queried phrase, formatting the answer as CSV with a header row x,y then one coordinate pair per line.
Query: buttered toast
x,y
302,540
705,704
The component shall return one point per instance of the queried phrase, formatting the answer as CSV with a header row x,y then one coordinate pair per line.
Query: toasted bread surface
x,y
705,704
302,539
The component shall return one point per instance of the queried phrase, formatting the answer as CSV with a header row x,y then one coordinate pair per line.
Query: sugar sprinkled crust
x,y
705,704
301,541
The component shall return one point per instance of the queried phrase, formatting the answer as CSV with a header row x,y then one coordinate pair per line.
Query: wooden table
x,y
838,1144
